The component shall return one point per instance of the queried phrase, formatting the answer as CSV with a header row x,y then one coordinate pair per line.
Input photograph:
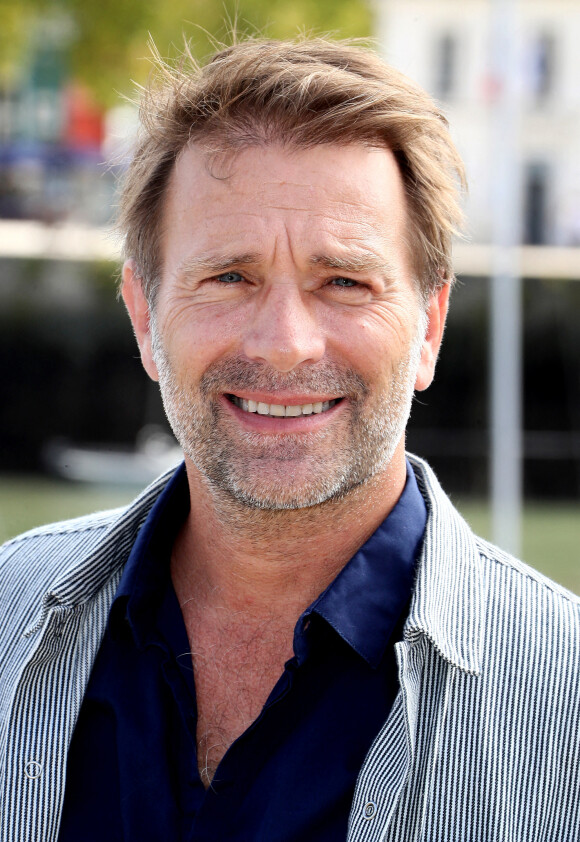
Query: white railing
x,y
31,239
66,241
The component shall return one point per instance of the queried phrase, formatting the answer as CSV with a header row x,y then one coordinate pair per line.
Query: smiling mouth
x,y
277,410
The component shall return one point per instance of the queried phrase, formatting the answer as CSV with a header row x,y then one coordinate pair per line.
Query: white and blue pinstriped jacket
x,y
482,743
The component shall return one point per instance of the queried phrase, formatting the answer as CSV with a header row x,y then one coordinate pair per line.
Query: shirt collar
x,y
367,599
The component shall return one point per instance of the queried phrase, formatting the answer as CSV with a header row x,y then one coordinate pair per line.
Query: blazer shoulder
x,y
76,531
72,554
521,604
69,526
30,562
77,527
522,574
80,530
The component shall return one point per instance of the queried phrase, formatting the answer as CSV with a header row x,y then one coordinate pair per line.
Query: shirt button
x,y
369,810
33,770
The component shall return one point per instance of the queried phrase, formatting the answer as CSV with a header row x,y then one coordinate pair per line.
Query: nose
x,y
284,331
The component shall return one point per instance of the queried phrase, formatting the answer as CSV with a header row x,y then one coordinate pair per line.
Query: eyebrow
x,y
354,263
214,264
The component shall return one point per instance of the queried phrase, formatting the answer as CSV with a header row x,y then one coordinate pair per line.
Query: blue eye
x,y
344,282
229,278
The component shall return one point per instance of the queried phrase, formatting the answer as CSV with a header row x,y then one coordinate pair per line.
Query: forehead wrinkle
x,y
292,207
356,202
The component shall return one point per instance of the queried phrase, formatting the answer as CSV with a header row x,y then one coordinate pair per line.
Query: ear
x,y
138,308
436,314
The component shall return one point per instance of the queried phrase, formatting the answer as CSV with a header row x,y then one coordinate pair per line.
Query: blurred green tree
x,y
105,42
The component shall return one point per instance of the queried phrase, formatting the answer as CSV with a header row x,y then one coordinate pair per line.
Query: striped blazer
x,y
482,743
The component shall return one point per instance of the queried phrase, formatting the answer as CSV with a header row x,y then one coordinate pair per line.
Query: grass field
x,y
551,532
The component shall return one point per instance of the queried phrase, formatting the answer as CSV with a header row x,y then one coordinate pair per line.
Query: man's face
x,y
288,333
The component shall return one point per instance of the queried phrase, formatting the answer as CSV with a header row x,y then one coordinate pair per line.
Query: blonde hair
x,y
301,94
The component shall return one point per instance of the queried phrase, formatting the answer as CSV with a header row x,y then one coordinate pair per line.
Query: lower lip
x,y
289,424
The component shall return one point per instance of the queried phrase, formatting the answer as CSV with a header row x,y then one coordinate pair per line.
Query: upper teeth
x,y
279,410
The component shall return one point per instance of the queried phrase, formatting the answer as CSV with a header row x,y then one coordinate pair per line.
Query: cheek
x,y
393,323
372,341
197,334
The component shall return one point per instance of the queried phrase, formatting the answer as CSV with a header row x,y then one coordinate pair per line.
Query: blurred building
x,y
51,136
446,46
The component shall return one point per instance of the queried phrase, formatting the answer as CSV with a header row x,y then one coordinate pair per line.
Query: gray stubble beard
x,y
200,426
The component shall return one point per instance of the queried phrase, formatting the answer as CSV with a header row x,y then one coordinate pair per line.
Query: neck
x,y
229,556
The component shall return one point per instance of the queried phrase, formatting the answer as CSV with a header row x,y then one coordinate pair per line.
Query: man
x,y
294,636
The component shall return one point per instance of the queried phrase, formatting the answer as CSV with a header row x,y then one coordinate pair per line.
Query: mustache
x,y
234,373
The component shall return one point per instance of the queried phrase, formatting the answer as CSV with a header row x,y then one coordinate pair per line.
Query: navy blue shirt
x,y
132,767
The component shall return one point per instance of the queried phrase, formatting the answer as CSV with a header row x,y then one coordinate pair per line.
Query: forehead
x,y
349,197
